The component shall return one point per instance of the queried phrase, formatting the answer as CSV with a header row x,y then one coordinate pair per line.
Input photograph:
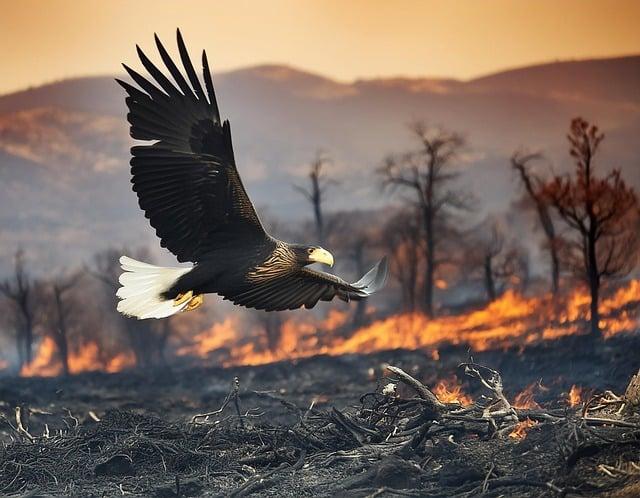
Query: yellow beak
x,y
321,256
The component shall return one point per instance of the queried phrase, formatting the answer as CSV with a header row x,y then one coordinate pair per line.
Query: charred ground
x,y
321,426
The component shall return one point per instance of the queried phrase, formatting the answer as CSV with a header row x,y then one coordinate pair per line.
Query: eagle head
x,y
307,255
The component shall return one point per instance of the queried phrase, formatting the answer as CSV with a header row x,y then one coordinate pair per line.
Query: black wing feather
x,y
186,181
306,287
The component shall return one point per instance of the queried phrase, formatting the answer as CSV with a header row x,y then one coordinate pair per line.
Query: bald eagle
x,y
189,188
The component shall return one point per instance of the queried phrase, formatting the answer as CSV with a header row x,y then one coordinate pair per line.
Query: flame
x,y
441,284
47,364
525,399
450,391
521,428
575,396
511,320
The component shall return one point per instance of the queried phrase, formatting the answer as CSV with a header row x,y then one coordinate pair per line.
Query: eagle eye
x,y
309,250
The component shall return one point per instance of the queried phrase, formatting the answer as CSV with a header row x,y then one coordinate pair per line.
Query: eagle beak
x,y
321,256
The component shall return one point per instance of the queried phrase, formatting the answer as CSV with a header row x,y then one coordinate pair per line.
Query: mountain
x,y
65,191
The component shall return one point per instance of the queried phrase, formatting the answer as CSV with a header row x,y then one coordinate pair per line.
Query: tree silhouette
x,y
600,211
18,290
427,175
534,187
315,192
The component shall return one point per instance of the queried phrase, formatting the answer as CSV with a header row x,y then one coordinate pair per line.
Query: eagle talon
x,y
195,302
182,298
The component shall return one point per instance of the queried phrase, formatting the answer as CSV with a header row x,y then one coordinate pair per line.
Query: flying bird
x,y
189,188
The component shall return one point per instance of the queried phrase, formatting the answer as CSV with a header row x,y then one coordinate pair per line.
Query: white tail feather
x,y
142,286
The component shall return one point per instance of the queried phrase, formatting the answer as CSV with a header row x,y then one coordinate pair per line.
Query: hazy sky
x,y
45,40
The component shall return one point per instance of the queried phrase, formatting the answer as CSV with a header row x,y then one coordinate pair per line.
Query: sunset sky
x,y
44,41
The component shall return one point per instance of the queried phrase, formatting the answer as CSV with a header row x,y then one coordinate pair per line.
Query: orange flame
x,y
47,364
525,400
450,391
510,320
521,428
575,396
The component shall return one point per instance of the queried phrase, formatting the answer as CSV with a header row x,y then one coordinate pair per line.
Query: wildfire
x,y
525,400
47,364
450,391
511,320
575,396
521,428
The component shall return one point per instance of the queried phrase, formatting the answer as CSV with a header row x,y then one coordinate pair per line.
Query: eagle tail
x,y
142,288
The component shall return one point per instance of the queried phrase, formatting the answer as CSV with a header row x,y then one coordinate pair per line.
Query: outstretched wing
x,y
306,287
186,181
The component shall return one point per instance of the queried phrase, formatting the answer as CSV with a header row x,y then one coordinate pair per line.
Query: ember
x,y
521,429
575,396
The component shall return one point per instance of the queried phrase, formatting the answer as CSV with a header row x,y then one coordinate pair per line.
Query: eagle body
x,y
189,188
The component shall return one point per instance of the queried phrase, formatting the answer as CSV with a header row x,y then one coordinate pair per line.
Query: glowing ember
x,y
47,364
525,400
521,428
575,396
449,391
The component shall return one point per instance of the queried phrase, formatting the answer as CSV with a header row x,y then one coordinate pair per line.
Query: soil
x,y
322,427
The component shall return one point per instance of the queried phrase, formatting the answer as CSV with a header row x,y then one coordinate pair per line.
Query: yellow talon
x,y
195,302
182,298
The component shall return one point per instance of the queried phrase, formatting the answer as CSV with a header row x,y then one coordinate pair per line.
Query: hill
x,y
64,146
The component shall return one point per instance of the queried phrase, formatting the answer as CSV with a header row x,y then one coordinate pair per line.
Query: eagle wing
x,y
306,287
186,181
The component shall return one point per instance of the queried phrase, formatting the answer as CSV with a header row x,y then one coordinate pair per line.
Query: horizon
x,y
342,42
352,81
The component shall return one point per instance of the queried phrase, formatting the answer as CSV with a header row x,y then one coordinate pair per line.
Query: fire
x,y
450,391
521,428
47,364
511,320
525,400
575,396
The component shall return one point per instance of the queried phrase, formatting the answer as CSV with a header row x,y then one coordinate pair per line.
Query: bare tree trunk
x,y
430,263
594,283
489,283
555,268
60,335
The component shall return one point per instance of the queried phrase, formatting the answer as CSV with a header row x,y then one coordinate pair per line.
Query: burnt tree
x,y
316,191
600,212
404,241
499,263
18,290
63,311
534,188
427,174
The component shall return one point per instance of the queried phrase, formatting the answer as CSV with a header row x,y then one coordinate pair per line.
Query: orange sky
x,y
45,40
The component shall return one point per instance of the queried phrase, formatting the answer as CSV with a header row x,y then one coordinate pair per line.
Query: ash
x,y
333,426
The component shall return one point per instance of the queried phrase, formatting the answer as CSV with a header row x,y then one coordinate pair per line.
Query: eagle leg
x,y
195,302
182,298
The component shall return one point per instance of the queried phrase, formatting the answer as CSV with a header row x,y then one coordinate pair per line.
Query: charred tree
x,y
534,187
427,175
601,212
404,241
499,264
63,313
315,193
18,290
